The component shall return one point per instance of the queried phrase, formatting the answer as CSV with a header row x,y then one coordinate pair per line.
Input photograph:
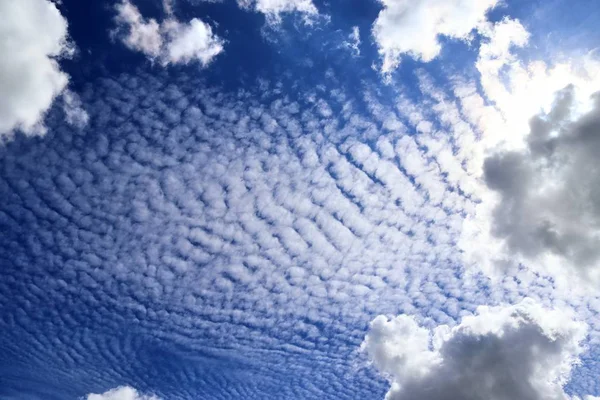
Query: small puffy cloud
x,y
75,114
499,40
30,76
273,9
414,27
169,42
143,36
550,191
514,352
187,42
121,393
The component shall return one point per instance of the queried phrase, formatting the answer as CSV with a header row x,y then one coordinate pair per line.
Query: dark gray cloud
x,y
502,353
550,191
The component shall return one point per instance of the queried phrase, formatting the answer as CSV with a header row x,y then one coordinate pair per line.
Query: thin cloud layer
x,y
514,352
170,42
33,36
413,28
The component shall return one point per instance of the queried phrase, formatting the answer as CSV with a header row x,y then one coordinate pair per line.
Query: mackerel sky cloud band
x,y
296,199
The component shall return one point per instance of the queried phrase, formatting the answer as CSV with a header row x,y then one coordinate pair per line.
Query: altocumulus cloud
x,y
214,220
234,221
514,352
30,76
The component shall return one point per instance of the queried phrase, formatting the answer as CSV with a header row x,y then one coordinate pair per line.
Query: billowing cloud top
x,y
501,353
549,190
413,28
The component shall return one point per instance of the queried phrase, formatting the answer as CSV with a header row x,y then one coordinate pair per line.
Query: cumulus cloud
x,y
413,27
30,76
518,100
550,191
169,42
273,9
514,352
518,89
121,393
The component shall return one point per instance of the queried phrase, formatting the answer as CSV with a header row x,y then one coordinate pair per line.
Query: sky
x,y
299,199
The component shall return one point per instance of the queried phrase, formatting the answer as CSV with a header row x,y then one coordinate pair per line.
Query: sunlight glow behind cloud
x,y
412,28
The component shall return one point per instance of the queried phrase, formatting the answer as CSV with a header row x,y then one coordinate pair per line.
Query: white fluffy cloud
x,y
514,352
273,9
30,76
121,393
414,27
170,42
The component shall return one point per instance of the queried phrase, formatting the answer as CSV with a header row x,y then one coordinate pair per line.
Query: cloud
x,y
353,41
519,89
121,393
143,36
550,191
496,52
30,76
526,218
204,236
194,218
198,237
170,42
513,352
272,9
75,114
414,27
